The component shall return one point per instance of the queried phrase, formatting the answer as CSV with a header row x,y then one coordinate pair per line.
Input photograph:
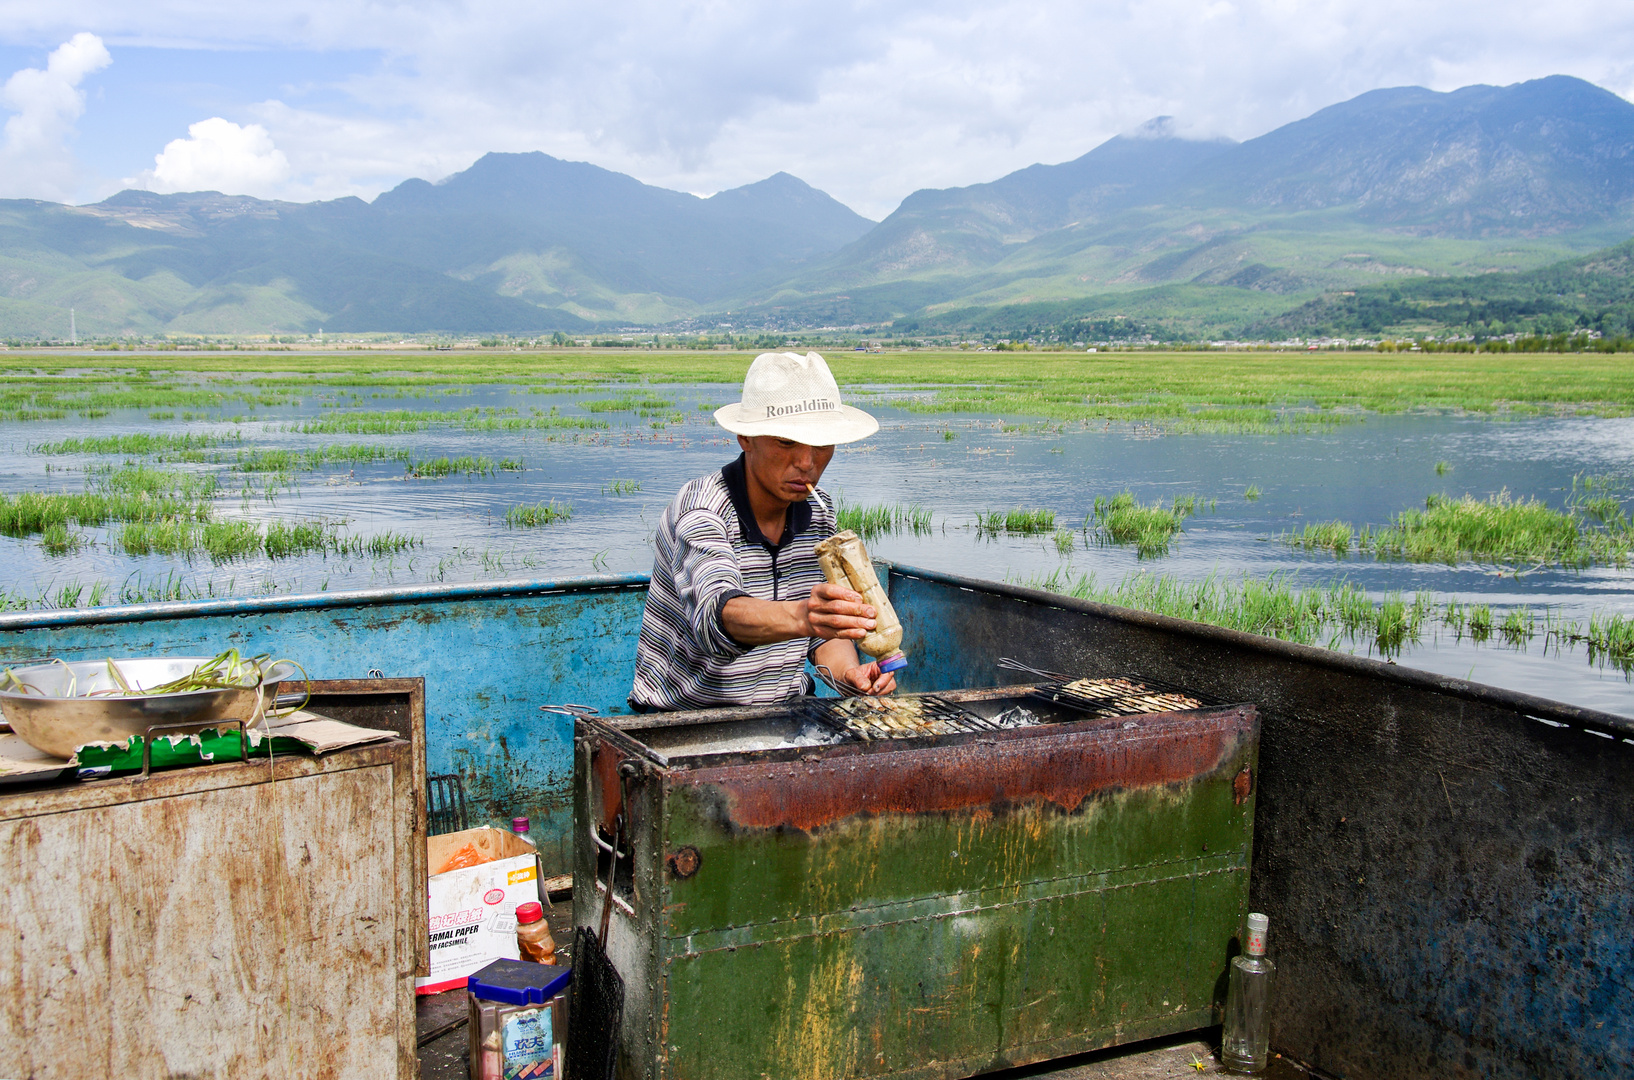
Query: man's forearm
x,y
762,622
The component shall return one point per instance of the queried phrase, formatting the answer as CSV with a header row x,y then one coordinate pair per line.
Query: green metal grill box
x,y
786,905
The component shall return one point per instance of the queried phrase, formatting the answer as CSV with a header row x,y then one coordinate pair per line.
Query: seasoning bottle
x,y
845,562
533,940
1245,1038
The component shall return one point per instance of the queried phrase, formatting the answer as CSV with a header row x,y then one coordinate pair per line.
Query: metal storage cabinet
x,y
926,907
233,920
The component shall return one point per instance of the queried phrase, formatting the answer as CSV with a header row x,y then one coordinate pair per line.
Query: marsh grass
x,y
156,483
445,466
382,422
871,521
388,543
1066,541
1251,492
1334,536
621,487
535,423
226,541
287,540
1249,390
170,536
1340,613
644,405
138,444
1499,529
1015,522
1441,468
1121,519
316,457
533,515
33,512
57,539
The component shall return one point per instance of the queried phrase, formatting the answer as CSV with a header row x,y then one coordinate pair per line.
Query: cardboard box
x,y
473,909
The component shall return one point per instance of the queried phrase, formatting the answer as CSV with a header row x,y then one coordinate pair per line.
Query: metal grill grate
x,y
445,805
897,718
595,1010
1119,696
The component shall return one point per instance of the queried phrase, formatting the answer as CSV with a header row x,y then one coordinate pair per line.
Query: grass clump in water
x,y
57,539
532,515
621,487
228,540
1499,529
136,444
312,458
640,404
1120,519
1015,522
1334,536
383,422
882,519
170,537
1251,492
287,540
445,466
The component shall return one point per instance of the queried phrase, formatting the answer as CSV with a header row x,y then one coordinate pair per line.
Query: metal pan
x,y
59,725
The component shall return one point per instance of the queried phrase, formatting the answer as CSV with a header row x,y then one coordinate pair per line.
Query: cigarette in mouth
x,y
816,496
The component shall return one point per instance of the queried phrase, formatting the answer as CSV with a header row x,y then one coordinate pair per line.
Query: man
x,y
738,603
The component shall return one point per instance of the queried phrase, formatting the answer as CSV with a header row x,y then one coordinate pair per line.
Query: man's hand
x,y
870,679
834,611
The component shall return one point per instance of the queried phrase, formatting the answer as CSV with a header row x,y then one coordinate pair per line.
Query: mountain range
x,y
1395,185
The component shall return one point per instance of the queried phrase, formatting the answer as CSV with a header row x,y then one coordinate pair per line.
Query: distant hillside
x,y
1394,184
964,228
1595,292
1531,159
518,242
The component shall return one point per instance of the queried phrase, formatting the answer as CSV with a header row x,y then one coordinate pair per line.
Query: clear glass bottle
x,y
1245,1038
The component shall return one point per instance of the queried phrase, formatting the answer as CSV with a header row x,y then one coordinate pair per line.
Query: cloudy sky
x,y
866,99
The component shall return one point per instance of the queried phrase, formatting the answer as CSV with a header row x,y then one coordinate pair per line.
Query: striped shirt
x,y
709,550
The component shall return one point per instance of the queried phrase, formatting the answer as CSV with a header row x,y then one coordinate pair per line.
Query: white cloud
x,y
218,155
867,99
35,159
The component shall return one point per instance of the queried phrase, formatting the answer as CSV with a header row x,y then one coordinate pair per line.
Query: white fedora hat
x,y
794,397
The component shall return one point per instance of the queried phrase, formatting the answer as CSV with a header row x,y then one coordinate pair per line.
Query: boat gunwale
x,y
1545,710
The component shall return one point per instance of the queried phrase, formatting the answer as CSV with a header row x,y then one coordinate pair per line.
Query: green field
x,y
1257,390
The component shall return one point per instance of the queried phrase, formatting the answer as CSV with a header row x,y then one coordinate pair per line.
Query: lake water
x,y
1359,472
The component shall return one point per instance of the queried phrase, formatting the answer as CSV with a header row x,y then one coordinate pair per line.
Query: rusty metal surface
x,y
925,908
1446,866
1060,766
221,920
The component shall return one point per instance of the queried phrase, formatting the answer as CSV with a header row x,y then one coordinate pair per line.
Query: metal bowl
x,y
59,725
